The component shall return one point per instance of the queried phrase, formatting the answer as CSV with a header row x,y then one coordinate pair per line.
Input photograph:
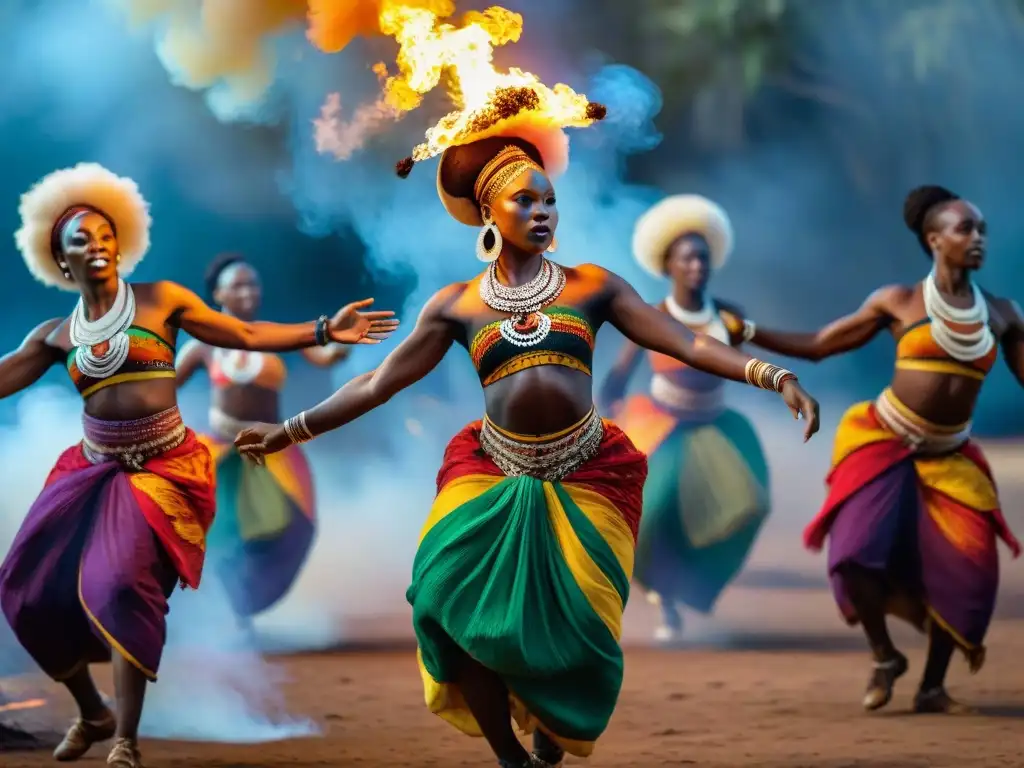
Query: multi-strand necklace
x,y
527,325
102,345
960,345
704,319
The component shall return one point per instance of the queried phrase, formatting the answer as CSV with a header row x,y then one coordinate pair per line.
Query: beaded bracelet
x,y
766,376
320,334
296,431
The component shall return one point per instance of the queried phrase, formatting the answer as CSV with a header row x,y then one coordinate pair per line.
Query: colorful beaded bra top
x,y
537,333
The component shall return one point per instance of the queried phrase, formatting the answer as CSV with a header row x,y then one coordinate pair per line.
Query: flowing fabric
x,y
265,525
930,522
100,552
529,578
705,500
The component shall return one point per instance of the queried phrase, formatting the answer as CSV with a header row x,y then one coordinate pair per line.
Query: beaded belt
x,y
921,435
551,457
687,404
226,427
135,442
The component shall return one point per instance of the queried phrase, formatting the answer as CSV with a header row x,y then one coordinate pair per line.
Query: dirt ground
x,y
767,708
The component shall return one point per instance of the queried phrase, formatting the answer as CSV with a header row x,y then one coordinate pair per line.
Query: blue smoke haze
x,y
324,233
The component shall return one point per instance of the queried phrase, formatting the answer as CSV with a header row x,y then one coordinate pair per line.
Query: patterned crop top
x,y
149,357
569,343
917,350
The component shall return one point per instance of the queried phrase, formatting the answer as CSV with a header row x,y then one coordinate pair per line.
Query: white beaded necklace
x,y
960,345
704,318
527,326
239,366
102,345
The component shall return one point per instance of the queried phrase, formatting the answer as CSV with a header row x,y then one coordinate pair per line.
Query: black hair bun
x,y
216,267
920,201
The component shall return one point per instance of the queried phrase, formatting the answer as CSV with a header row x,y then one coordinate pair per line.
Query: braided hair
x,y
216,269
921,207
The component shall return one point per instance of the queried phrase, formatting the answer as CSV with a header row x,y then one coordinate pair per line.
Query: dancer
x,y
266,518
706,496
123,515
912,514
523,566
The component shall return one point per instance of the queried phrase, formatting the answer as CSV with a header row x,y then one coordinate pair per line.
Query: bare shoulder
x,y
1007,310
596,278
46,332
890,298
444,303
729,306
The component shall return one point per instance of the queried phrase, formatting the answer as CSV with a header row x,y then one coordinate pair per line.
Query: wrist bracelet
x,y
320,335
749,331
766,376
296,431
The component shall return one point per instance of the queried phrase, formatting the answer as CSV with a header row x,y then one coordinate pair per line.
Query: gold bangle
x,y
765,375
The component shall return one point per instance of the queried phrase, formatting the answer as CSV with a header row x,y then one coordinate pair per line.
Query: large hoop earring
x,y
554,245
488,233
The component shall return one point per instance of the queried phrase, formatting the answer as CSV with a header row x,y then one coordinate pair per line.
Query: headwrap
x,y
504,168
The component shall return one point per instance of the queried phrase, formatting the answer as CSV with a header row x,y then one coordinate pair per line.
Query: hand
x,y
337,353
350,326
801,405
255,442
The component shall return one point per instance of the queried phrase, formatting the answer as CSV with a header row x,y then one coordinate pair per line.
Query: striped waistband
x,y
546,457
132,442
923,436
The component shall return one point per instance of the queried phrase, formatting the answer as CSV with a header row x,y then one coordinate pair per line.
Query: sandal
x,y
936,701
884,677
82,735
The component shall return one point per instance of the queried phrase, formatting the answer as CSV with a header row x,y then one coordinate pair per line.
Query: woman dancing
x,y
124,514
912,513
707,490
523,566
266,518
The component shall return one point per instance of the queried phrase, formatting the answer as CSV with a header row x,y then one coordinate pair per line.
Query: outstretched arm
x,y
410,361
1013,340
843,335
190,359
655,330
26,365
193,315
615,384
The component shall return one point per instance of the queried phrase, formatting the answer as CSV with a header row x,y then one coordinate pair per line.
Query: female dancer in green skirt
x,y
707,492
524,565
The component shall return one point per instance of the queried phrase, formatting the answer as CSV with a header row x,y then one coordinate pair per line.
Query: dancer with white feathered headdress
x,y
123,515
707,494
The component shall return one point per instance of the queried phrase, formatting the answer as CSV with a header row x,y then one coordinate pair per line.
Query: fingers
x,y
378,336
369,340
359,304
377,314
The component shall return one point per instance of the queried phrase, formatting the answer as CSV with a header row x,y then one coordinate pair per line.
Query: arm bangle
x,y
296,431
320,335
766,376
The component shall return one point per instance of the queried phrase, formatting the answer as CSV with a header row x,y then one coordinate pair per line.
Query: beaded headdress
x,y
504,168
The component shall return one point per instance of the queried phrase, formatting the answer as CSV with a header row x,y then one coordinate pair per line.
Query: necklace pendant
x,y
526,330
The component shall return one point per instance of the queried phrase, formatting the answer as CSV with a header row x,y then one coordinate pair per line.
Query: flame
x,y
15,706
433,52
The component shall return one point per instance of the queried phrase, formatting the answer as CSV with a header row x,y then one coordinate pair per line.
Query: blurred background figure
x,y
266,515
706,496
